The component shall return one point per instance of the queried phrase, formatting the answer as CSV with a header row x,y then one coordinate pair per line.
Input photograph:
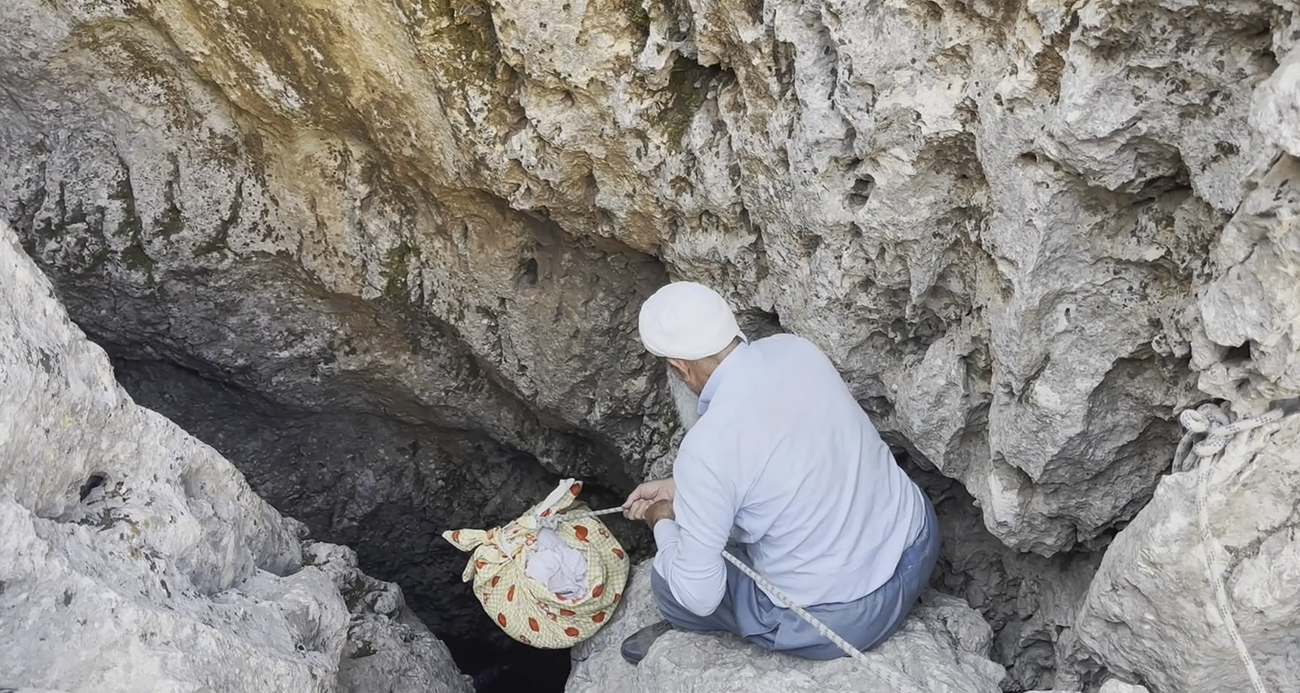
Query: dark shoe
x,y
637,645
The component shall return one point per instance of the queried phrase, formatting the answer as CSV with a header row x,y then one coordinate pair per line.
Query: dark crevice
x,y
757,324
528,271
380,460
361,456
93,482
1007,587
1238,354
386,488
861,191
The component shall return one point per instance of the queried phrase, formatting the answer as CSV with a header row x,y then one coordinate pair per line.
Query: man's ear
x,y
680,366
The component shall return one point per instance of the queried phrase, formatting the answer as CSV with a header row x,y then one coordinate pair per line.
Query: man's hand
x,y
659,510
647,494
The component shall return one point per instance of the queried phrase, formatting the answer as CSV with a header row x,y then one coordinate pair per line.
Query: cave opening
x,y
388,489
375,475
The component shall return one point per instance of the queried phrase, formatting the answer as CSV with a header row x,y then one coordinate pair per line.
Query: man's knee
x,y
672,611
680,616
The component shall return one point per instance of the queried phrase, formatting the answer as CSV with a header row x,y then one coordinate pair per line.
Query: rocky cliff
x,y
135,558
387,256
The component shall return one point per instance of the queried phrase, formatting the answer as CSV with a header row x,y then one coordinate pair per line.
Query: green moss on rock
x,y
461,46
220,241
687,86
397,269
636,13
134,257
123,194
170,222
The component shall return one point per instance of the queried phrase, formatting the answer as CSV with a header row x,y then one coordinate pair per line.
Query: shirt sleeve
x,y
690,548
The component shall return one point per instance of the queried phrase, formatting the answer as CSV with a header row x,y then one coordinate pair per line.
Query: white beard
x,y
686,401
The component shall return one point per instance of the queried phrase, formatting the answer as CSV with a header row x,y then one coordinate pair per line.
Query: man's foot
x,y
637,645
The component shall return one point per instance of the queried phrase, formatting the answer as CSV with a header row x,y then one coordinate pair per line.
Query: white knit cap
x,y
688,321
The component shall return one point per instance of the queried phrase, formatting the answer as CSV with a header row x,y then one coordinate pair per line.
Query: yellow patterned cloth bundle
x,y
581,559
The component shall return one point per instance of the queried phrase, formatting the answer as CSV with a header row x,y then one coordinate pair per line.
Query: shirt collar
x,y
728,365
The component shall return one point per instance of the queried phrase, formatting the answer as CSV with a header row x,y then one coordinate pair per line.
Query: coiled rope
x,y
1213,423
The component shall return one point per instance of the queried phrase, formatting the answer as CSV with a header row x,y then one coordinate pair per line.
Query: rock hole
x,y
421,476
757,323
92,482
861,191
1241,352
528,271
1267,57
1243,387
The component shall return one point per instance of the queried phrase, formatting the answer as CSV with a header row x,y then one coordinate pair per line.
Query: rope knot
x,y
1214,423
1194,421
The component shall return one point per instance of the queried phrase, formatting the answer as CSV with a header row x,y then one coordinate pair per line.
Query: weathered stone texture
x,y
1151,611
134,557
1028,232
998,218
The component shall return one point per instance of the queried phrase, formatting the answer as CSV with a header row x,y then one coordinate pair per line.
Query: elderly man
x,y
782,468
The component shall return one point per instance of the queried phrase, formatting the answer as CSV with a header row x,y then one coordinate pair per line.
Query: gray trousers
x,y
748,612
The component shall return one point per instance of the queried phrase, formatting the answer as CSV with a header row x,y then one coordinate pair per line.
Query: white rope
x,y
1208,419
808,618
554,520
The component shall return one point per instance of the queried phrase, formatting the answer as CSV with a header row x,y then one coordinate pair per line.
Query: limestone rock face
x,y
1153,581
999,219
943,646
1249,334
1028,232
134,557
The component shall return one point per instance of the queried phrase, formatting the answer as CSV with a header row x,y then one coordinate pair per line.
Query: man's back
x,y
785,450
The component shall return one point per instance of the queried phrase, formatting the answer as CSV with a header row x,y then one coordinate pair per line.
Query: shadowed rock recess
x,y
386,258
135,558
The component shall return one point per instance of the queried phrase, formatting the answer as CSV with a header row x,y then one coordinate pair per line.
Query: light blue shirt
x,y
786,462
